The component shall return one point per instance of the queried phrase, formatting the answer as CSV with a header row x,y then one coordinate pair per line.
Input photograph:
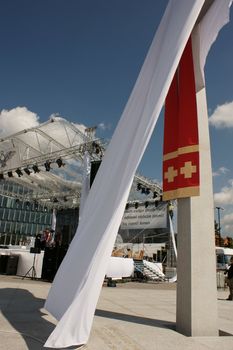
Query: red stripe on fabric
x,y
188,128
171,118
181,127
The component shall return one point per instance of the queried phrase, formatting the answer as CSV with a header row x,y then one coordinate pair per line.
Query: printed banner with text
x,y
145,217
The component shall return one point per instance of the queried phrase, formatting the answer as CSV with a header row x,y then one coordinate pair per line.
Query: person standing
x,y
229,273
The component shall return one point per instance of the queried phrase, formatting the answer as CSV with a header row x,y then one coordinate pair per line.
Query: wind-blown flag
x,y
181,151
75,291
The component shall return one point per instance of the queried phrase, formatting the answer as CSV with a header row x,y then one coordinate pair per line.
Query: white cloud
x,y
227,224
224,199
16,119
228,219
222,117
103,126
228,230
225,196
221,171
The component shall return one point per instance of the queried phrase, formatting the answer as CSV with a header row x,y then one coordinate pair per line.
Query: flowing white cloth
x,y
75,291
54,220
204,35
172,235
85,182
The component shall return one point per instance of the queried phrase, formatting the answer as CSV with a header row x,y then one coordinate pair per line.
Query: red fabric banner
x,y
181,148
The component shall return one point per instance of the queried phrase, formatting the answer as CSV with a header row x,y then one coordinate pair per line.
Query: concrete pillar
x,y
196,264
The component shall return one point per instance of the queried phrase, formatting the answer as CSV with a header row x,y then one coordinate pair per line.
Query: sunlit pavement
x,y
131,316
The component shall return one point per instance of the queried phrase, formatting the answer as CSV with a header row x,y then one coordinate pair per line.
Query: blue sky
x,y
80,58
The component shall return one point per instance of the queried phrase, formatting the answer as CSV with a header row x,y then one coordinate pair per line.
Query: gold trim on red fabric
x,y
181,150
181,193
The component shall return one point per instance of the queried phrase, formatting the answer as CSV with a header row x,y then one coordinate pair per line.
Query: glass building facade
x,y
20,218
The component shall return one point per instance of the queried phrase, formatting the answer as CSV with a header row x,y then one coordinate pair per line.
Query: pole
x,y
171,245
196,272
219,225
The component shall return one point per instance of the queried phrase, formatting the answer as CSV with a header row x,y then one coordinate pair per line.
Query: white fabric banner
x,y
172,236
75,291
85,182
204,35
54,220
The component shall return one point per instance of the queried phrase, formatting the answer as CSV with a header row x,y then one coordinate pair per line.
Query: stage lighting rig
x,y
47,165
19,172
27,171
97,148
35,169
147,191
144,190
60,163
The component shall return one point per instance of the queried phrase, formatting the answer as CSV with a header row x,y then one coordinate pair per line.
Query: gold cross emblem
x,y
188,170
170,174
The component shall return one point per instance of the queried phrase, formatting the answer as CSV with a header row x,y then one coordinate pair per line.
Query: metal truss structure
x,y
44,164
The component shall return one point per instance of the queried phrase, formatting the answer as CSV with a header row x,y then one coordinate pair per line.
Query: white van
x,y
223,256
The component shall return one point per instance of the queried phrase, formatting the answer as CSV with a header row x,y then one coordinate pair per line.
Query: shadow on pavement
x,y
136,319
22,310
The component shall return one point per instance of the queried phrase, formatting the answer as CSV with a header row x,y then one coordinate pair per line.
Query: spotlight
x,y
60,162
96,147
27,171
136,205
97,150
47,165
171,209
19,172
139,187
147,191
35,169
1,177
10,174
